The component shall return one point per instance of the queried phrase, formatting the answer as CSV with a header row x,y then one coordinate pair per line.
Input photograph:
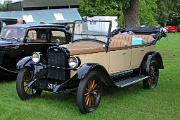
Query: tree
x,y
112,7
167,9
130,10
3,7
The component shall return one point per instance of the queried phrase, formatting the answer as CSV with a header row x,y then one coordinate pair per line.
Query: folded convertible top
x,y
137,30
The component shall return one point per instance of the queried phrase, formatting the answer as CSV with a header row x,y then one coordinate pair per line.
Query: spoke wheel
x,y
152,81
89,93
25,76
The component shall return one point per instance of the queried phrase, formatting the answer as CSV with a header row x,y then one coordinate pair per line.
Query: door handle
x,y
124,53
142,50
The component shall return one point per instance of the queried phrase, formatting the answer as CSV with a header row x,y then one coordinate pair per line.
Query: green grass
x,y
130,103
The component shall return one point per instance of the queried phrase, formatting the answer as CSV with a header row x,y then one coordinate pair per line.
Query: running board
x,y
130,81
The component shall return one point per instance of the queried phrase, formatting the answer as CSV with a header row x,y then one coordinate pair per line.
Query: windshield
x,y
91,30
12,33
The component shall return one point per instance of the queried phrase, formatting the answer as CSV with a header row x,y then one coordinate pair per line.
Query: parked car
x,y
18,41
94,58
7,21
178,29
171,29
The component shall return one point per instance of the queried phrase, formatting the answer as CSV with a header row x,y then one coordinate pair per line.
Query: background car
x,y
18,41
171,29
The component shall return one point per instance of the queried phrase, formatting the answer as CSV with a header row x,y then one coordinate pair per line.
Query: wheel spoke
x,y
87,102
86,98
93,82
87,89
95,86
90,100
87,93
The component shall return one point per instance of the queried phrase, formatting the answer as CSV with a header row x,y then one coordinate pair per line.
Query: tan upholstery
x,y
78,48
120,41
124,41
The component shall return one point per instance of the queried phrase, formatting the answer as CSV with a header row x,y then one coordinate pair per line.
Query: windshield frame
x,y
86,39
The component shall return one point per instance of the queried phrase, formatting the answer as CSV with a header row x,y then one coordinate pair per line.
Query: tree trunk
x,y
131,14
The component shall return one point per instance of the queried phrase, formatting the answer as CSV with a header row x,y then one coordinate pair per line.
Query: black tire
x,y
89,93
153,74
24,92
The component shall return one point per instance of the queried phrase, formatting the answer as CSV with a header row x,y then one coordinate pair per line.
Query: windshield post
x,y
73,30
109,37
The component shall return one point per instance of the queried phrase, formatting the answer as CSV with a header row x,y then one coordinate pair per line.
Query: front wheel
x,y
152,81
89,93
25,76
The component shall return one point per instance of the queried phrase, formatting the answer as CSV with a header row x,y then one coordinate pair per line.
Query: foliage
x,y
99,7
167,9
115,7
148,12
3,7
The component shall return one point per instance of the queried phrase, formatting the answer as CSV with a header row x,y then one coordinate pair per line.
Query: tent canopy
x,y
47,16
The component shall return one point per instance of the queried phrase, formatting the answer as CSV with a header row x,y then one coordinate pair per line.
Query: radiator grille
x,y
57,59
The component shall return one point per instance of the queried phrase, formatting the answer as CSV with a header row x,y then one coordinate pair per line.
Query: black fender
x,y
25,62
156,56
83,71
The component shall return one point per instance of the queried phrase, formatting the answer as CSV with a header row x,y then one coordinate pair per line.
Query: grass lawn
x,y
130,103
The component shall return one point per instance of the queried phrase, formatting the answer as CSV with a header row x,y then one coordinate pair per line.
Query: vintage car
x,y
94,58
18,41
171,29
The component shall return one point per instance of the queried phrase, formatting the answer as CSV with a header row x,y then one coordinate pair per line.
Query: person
x,y
21,21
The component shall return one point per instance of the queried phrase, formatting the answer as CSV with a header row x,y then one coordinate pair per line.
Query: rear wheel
x,y
25,76
89,93
152,81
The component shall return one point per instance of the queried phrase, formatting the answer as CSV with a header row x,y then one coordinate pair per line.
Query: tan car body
x,y
121,55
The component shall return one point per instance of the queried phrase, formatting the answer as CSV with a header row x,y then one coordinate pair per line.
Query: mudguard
x,y
25,62
87,68
149,57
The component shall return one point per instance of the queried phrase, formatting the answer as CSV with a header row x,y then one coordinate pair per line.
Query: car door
x,y
120,54
138,53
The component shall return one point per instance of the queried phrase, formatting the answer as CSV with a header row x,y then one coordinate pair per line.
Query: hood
x,y
84,47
